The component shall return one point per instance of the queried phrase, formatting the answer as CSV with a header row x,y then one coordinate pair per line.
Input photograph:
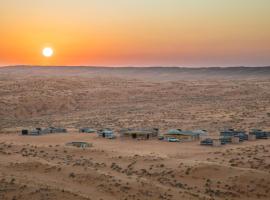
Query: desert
x,y
43,167
134,100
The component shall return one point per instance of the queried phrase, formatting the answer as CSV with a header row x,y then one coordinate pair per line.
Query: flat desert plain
x,y
43,167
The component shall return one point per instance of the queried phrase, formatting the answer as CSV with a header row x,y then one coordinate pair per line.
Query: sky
x,y
186,33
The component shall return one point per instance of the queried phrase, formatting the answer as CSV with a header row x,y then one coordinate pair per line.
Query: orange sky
x,y
139,33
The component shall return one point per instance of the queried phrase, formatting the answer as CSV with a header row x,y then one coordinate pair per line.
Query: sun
x,y
47,52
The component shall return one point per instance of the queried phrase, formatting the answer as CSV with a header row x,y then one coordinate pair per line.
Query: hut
x,y
234,133
25,132
53,130
207,142
40,131
57,130
185,135
79,144
260,134
34,132
216,142
140,134
87,130
106,133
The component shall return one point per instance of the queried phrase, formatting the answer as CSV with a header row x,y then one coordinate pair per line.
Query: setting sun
x,y
47,52
135,99
188,33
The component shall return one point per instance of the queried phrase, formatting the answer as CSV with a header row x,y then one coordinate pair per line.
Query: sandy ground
x,y
44,168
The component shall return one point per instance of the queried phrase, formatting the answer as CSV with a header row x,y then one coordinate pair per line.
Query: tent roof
x,y
182,132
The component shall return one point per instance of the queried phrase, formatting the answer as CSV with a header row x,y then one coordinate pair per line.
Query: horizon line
x,y
101,66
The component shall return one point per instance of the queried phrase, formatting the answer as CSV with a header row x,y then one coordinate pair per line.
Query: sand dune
x,y
77,97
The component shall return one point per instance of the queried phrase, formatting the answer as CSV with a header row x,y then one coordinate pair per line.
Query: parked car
x,y
226,140
242,136
207,141
161,137
173,140
106,133
87,130
111,137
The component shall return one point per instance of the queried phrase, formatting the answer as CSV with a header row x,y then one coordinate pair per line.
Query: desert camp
x,y
134,100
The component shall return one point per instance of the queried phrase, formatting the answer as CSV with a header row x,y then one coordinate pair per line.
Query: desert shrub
x,y
72,175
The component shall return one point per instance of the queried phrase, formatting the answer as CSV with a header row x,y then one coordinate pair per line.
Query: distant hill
x,y
151,73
